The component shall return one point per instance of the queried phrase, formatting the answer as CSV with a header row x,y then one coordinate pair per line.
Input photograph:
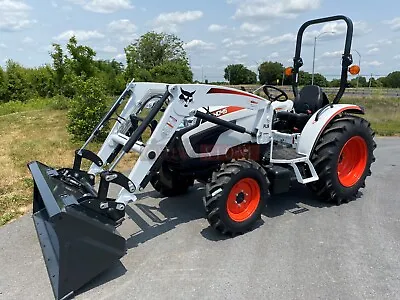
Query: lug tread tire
x,y
171,184
327,151
224,179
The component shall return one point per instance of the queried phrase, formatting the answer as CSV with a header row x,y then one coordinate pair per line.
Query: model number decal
x,y
226,110
220,112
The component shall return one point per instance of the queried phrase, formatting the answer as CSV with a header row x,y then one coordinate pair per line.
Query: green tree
x,y
87,108
58,64
3,85
172,72
376,83
320,80
81,60
112,74
269,72
392,80
152,50
362,82
305,78
334,83
239,74
42,80
18,86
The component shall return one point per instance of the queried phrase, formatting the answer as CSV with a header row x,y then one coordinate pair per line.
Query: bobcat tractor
x,y
243,147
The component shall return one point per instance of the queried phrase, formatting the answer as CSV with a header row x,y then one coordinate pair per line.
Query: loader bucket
x,y
77,245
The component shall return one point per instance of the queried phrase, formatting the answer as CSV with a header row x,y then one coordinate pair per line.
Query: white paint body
x,y
248,110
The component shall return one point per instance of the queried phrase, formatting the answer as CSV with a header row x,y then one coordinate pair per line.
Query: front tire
x,y
170,183
236,196
342,158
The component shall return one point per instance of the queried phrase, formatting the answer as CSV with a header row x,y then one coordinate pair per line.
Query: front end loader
x,y
241,146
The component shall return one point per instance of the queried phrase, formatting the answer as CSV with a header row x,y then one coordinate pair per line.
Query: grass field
x,y
37,131
383,113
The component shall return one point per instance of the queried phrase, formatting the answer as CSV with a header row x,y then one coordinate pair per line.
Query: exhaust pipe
x,y
78,241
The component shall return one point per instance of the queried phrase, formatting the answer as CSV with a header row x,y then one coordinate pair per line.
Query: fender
x,y
313,129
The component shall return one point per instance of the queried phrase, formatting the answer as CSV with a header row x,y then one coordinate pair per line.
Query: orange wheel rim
x,y
352,161
243,199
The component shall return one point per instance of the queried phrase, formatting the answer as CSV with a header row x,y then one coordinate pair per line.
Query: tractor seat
x,y
310,99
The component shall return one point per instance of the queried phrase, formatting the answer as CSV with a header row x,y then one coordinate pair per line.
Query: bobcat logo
x,y
186,97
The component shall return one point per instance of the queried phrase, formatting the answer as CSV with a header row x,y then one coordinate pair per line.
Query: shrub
x,y
60,102
87,108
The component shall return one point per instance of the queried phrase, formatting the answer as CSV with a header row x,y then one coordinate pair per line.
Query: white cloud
x,y
274,55
361,28
264,9
81,35
240,57
394,23
397,56
383,42
233,52
46,48
374,45
332,54
128,38
339,27
373,50
103,6
123,26
14,15
27,40
374,63
199,44
2,45
288,37
120,57
170,21
225,58
253,28
109,49
234,43
216,28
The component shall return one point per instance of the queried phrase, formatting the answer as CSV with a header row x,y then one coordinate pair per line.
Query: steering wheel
x,y
275,98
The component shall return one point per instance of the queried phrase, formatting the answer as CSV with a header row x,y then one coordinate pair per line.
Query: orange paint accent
x,y
232,92
352,161
354,70
355,107
240,210
232,109
288,71
226,110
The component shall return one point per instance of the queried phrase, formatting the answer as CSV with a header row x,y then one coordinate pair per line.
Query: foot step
x,y
286,154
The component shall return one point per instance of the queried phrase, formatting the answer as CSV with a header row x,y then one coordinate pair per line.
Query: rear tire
x,y
170,183
236,196
342,158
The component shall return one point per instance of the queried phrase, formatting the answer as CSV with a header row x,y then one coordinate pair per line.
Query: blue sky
x,y
216,33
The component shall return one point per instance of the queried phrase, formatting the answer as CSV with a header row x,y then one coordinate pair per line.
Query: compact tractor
x,y
243,147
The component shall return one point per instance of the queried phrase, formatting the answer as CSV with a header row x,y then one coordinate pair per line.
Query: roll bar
x,y
347,58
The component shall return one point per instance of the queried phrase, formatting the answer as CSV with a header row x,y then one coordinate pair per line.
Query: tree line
x,y
273,73
85,82
157,57
153,57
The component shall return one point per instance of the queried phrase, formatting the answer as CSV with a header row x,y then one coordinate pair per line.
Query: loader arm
x,y
183,101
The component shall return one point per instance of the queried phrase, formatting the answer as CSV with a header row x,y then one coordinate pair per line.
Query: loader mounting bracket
x,y
87,154
117,178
